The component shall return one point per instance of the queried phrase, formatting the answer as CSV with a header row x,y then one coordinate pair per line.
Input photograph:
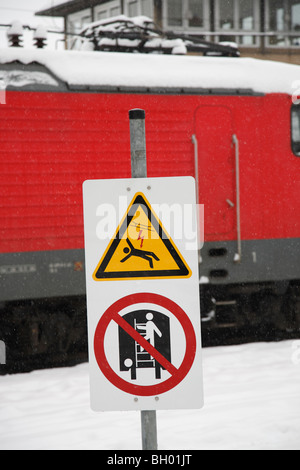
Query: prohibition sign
x,y
177,374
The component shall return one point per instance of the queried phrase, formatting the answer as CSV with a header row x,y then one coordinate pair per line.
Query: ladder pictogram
x,y
142,357
154,327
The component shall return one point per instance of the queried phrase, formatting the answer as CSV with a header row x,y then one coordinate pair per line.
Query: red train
x,y
229,122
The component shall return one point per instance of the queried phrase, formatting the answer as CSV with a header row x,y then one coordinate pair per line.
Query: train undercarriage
x,y
250,312
44,333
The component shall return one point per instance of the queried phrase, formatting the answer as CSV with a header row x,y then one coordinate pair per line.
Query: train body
x,y
233,124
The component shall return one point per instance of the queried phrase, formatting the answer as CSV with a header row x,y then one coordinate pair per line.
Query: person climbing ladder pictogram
x,y
154,327
150,329
147,255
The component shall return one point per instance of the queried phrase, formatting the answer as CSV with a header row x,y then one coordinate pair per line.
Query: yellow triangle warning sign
x,y
141,248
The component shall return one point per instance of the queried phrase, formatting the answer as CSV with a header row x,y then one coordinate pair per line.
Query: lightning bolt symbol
x,y
141,238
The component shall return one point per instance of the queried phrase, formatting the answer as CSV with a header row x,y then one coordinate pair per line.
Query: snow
x,y
25,12
120,25
20,78
251,402
15,29
40,32
142,70
113,23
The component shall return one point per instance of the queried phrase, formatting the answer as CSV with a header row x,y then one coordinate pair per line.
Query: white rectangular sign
x,y
141,248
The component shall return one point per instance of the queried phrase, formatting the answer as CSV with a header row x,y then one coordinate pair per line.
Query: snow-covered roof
x,y
113,23
163,71
140,34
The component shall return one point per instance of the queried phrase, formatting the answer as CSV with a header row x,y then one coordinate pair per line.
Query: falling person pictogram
x,y
147,255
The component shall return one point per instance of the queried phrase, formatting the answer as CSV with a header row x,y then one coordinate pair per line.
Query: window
x,y
295,129
175,12
247,21
147,8
77,21
295,22
295,16
102,15
86,20
195,13
241,16
275,21
226,14
74,26
115,11
283,16
107,10
246,15
133,8
138,7
186,14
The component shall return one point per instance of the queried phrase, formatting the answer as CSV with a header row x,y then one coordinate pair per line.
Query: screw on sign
x,y
144,342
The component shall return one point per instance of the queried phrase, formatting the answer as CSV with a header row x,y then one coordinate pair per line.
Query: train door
x,y
216,169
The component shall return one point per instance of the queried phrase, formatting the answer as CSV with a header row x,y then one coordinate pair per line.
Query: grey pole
x,y
138,143
139,170
149,430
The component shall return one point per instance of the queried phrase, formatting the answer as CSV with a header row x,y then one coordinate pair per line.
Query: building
x,y
262,28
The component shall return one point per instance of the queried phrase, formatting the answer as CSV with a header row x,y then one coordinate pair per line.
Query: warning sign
x,y
144,329
144,342
141,248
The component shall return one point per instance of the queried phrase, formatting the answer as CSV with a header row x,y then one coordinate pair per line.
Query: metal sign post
x,y
139,170
144,333
138,143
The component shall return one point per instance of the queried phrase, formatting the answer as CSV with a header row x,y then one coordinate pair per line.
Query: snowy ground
x,y
252,401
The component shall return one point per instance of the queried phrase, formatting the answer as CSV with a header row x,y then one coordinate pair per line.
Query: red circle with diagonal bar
x,y
177,374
